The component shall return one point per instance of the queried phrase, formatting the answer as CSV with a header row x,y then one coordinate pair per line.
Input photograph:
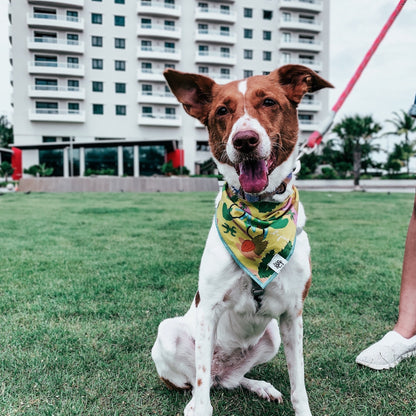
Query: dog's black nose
x,y
246,141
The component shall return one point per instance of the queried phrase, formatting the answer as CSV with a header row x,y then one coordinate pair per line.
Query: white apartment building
x,y
88,91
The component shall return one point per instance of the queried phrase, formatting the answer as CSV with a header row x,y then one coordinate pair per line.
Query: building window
x,y
203,50
169,25
203,70
146,45
121,110
97,41
267,14
98,109
287,17
97,18
46,107
248,33
267,56
247,73
248,12
97,86
119,1
225,52
73,108
73,85
306,19
169,47
72,39
120,87
170,112
147,89
172,66
306,59
119,21
97,63
248,54
225,73
120,43
46,84
147,111
120,65
286,58
147,67
267,35
72,16
224,9
72,61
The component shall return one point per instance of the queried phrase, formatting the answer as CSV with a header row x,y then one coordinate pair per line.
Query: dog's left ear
x,y
194,91
297,80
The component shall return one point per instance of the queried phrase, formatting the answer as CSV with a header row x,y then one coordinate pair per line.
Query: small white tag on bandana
x,y
277,263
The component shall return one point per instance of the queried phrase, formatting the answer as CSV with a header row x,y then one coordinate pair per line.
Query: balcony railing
x,y
54,114
157,98
215,57
216,36
311,5
171,120
160,31
56,44
159,53
55,91
303,24
70,3
58,68
55,21
215,14
158,8
302,44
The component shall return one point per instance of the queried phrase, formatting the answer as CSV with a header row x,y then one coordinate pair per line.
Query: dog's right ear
x,y
193,91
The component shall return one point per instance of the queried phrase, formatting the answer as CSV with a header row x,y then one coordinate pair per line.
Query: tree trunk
x,y
357,166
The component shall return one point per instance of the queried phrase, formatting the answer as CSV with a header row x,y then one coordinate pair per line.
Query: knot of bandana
x,y
260,236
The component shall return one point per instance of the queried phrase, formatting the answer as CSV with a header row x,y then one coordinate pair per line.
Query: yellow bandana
x,y
260,236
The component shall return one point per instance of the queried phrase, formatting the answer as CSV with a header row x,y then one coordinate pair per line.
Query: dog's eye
x,y
221,111
269,102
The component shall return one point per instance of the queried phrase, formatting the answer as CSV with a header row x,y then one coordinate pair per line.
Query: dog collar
x,y
260,236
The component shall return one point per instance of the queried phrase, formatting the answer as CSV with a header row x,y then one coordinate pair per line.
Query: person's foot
x,y
387,352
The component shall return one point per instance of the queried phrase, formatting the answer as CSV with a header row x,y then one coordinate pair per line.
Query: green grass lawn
x,y
85,280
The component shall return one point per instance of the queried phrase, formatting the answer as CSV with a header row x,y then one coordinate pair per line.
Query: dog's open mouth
x,y
254,175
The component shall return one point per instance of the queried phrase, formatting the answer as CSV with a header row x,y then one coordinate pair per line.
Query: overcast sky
x,y
388,84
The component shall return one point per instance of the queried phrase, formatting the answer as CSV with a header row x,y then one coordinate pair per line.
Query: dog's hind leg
x,y
174,355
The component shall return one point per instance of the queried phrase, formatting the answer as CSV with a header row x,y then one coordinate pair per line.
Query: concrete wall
x,y
117,184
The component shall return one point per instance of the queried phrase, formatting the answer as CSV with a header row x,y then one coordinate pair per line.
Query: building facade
x,y
88,91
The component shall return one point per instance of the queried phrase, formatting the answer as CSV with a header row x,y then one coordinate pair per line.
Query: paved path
x,y
368,185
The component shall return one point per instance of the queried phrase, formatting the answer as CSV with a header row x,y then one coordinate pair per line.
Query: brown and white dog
x,y
253,136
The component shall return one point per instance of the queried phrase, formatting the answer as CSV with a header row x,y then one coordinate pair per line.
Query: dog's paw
x,y
263,389
203,410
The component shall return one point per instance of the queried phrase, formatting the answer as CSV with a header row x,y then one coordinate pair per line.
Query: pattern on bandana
x,y
257,233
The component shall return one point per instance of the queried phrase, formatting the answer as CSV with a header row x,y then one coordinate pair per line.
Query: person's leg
x,y
406,324
401,342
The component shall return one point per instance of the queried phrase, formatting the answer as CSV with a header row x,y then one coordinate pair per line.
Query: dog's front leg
x,y
200,405
292,334
215,264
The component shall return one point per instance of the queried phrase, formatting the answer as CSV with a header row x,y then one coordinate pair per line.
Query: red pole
x,y
316,137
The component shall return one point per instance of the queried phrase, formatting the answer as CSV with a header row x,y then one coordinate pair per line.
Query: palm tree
x,y
357,132
404,124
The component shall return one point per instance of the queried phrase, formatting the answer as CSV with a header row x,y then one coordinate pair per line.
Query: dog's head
x,y
252,124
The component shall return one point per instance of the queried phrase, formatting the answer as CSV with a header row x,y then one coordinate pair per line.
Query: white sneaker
x,y
387,352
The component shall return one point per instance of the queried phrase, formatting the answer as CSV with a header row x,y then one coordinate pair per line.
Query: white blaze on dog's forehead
x,y
242,87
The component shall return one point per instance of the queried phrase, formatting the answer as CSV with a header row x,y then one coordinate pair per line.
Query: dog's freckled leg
x,y
292,335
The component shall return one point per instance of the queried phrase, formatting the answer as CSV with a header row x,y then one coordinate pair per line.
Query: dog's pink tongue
x,y
253,176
